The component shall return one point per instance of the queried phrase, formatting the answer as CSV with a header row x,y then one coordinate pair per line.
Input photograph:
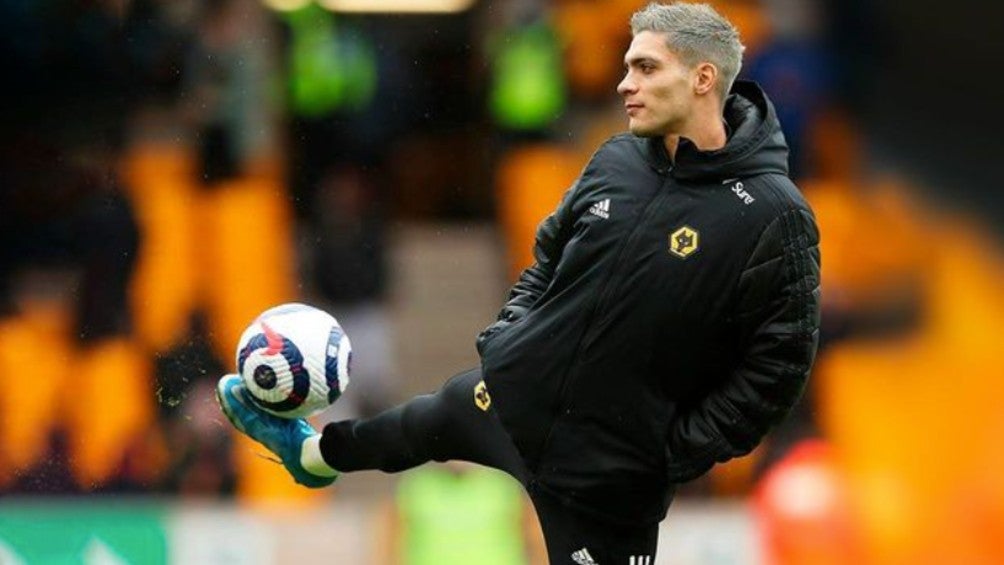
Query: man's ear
x,y
705,78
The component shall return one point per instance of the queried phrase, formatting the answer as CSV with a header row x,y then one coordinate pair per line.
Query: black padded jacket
x,y
670,320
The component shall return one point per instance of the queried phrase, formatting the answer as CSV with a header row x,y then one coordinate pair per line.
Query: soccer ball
x,y
294,360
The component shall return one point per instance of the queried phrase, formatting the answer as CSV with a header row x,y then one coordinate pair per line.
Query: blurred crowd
x,y
173,167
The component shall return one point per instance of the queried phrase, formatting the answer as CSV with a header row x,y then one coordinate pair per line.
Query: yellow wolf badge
x,y
481,398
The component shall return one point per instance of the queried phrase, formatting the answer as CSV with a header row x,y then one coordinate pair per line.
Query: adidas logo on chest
x,y
601,209
582,556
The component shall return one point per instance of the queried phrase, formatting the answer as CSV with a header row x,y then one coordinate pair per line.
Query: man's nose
x,y
626,86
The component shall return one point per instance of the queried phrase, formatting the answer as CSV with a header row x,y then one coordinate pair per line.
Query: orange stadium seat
x,y
595,39
164,288
529,184
871,232
109,406
919,417
36,351
247,256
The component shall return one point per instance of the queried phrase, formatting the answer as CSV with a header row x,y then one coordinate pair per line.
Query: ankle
x,y
334,436
312,459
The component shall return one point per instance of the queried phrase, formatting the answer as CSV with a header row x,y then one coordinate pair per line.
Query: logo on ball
x,y
294,360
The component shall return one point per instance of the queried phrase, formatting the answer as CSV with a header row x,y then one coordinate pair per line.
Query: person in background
x,y
450,513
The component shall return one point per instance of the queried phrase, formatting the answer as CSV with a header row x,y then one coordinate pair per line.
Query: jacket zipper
x,y
605,292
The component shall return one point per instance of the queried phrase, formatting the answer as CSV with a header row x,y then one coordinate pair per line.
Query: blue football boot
x,y
283,437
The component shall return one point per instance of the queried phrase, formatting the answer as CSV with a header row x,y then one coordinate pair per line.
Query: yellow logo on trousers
x,y
481,397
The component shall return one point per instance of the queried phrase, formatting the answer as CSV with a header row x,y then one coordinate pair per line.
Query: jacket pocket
x,y
687,466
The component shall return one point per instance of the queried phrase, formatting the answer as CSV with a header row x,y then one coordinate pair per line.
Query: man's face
x,y
657,88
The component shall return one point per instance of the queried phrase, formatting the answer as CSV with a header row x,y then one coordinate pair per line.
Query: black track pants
x,y
449,424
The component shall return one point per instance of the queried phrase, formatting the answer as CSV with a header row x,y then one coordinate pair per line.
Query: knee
x,y
428,425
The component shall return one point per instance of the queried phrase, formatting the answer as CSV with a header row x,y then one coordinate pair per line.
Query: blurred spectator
x,y
795,67
332,79
344,105
65,207
109,237
458,512
332,65
528,84
225,97
803,512
344,251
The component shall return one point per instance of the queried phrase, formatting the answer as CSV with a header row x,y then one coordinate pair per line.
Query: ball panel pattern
x,y
294,360
270,344
336,372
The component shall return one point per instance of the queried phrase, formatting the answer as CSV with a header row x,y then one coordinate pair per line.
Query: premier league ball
x,y
294,360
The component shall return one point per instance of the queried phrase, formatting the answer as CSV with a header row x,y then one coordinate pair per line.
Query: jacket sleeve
x,y
552,235
778,314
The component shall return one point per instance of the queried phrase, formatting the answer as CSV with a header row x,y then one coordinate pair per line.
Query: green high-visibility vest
x,y
528,82
470,518
331,67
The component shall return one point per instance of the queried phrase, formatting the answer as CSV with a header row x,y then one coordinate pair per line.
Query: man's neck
x,y
706,134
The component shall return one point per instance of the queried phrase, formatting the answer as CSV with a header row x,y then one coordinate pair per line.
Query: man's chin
x,y
642,131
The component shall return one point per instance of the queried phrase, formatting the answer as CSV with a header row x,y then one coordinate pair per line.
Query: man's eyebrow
x,y
634,61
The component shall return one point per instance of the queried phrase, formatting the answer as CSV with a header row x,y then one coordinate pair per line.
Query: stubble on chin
x,y
641,131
